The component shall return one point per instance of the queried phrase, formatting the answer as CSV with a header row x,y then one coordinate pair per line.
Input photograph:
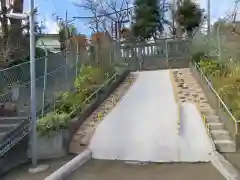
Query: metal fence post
x,y
166,53
77,59
45,78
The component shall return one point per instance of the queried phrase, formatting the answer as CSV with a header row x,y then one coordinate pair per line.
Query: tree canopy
x,y
148,21
189,15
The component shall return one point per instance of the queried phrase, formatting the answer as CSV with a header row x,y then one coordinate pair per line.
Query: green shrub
x,y
88,77
51,123
69,102
198,56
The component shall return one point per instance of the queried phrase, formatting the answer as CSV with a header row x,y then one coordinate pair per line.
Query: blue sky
x,y
46,8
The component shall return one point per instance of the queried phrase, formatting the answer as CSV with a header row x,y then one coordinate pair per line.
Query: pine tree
x,y
148,21
189,16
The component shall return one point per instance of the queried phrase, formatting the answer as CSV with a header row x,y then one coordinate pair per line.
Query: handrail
x,y
196,66
204,119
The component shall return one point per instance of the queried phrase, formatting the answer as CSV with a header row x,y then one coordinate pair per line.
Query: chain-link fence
x,y
55,73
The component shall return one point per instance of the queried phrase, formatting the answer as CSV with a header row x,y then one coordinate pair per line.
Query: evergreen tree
x,y
189,16
148,21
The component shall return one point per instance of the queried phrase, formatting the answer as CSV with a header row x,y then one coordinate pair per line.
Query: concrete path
x,y
143,126
117,170
195,145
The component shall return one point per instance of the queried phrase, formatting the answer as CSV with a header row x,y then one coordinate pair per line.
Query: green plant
x,y
198,56
209,67
69,102
88,77
51,123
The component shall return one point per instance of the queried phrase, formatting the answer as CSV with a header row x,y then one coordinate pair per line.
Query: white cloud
x,y
51,26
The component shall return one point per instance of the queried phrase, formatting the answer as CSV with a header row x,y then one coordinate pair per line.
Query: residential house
x,y
50,42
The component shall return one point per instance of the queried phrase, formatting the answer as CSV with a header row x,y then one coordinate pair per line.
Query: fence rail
x,y
230,122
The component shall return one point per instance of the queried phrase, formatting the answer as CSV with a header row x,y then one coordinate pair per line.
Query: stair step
x,y
12,120
220,135
2,134
225,145
216,126
7,127
212,119
208,112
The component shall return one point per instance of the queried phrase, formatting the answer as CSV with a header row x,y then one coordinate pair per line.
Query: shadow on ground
x,y
21,173
108,170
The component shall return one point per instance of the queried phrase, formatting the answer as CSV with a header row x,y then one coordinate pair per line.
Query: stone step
x,y
212,119
216,126
208,112
2,134
220,135
12,120
225,146
7,127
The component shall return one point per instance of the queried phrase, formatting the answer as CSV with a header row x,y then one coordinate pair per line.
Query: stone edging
x,y
71,166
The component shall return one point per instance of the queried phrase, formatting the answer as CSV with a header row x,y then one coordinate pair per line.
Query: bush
x,y
68,103
226,80
51,123
198,56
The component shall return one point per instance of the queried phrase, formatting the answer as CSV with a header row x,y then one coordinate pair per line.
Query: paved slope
x,y
143,126
109,170
195,144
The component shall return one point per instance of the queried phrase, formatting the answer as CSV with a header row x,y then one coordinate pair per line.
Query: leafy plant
x,y
69,102
51,123
198,56
88,77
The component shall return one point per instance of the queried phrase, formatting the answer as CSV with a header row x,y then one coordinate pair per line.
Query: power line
x,y
102,15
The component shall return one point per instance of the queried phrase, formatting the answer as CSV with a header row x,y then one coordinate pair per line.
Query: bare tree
x,y
104,12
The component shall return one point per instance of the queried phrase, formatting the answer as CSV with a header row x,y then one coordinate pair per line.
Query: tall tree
x,y
65,33
190,16
14,43
148,19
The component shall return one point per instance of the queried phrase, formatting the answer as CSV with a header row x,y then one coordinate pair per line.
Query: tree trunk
x,y
4,23
189,34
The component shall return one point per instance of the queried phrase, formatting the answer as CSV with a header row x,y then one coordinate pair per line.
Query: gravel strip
x,y
84,133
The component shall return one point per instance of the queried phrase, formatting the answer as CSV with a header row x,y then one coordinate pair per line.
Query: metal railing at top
x,y
220,102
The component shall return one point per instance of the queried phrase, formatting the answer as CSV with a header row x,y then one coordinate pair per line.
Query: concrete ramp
x,y
143,126
195,145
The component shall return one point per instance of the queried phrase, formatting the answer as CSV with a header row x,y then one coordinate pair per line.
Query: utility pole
x,y
209,17
208,23
31,16
66,44
33,85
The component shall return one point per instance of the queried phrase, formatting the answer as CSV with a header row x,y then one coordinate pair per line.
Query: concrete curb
x,y
225,167
71,166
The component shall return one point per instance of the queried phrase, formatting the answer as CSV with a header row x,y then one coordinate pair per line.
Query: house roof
x,y
49,35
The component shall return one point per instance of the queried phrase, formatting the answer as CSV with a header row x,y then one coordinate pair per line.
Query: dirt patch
x,y
188,89
108,170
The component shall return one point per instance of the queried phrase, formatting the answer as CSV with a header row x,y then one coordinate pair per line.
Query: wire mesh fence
x,y
55,73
